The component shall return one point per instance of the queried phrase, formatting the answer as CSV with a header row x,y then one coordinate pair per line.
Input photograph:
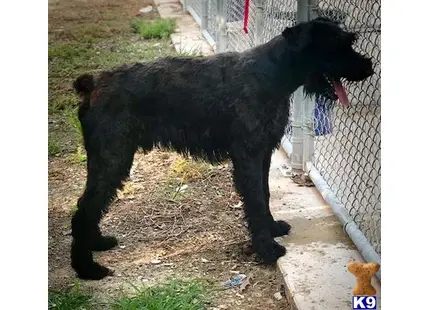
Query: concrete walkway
x,y
314,268
318,250
187,38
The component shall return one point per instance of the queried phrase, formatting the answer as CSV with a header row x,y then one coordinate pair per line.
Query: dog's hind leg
x,y
277,228
108,167
248,178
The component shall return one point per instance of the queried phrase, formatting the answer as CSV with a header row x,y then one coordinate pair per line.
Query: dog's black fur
x,y
228,106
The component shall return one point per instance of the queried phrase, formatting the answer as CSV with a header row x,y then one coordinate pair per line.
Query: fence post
x,y
205,11
185,6
303,109
259,11
308,13
298,140
221,21
296,131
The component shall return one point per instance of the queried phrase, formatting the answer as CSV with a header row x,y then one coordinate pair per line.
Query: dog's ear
x,y
298,37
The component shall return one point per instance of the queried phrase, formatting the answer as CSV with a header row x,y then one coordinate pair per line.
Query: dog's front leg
x,y
248,178
277,228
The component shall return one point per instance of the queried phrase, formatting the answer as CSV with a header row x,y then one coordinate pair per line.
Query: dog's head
x,y
327,58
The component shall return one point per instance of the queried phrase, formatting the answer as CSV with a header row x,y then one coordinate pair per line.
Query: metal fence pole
x,y
297,131
259,10
204,18
300,107
221,21
185,5
305,13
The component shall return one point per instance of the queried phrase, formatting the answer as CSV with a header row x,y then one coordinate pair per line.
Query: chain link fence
x,y
195,8
277,15
238,40
346,142
347,145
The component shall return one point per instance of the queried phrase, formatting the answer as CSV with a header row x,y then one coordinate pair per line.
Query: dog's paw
x,y
279,228
103,243
268,250
94,271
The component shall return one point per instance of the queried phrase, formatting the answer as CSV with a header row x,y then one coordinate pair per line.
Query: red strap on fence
x,y
245,16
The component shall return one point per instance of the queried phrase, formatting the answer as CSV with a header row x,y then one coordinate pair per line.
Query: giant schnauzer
x,y
228,106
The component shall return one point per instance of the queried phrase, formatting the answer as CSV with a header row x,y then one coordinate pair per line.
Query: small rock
x,y
156,44
67,232
204,260
285,170
122,246
237,206
156,261
277,296
223,307
146,9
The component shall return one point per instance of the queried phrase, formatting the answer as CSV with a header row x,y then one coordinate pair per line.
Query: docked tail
x,y
84,86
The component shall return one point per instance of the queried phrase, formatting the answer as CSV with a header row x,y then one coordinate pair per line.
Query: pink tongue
x,y
341,94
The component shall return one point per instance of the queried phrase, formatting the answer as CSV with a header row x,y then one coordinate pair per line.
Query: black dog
x,y
228,106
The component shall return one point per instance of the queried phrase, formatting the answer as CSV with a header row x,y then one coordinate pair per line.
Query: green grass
x,y
66,51
173,295
158,28
184,171
79,156
63,102
70,299
73,120
54,147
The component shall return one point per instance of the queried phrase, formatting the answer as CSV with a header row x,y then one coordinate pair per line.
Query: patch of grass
x,y
54,147
73,120
70,299
195,52
63,102
127,190
65,58
174,295
79,156
152,29
189,170
66,51
182,172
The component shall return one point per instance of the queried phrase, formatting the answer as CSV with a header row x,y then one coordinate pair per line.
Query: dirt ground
x,y
195,232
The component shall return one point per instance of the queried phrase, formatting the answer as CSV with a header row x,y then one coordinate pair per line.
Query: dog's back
x,y
164,101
